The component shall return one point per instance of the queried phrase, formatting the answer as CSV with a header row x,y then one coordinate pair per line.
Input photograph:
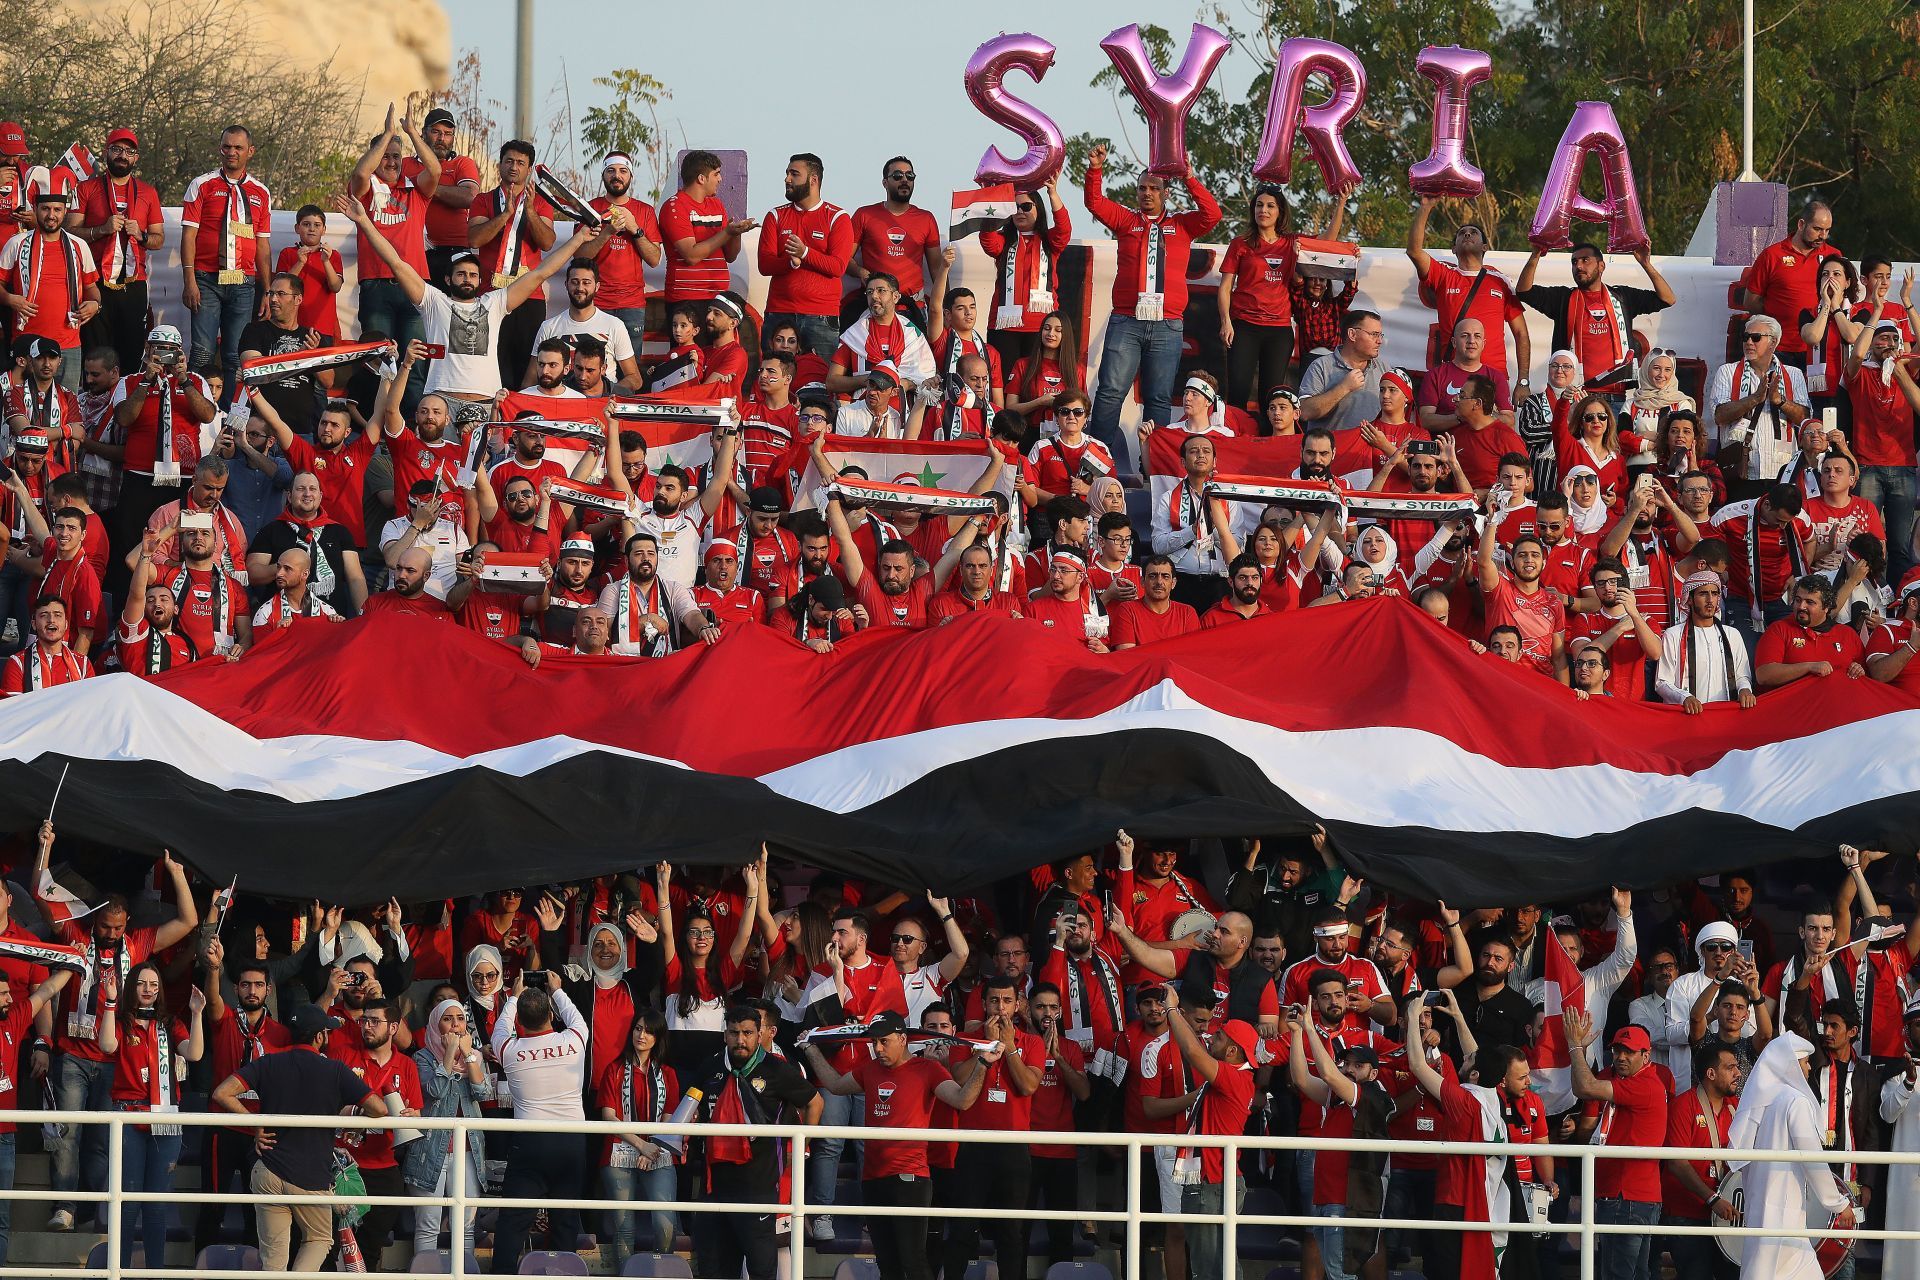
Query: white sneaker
x,y
823,1228
62,1220
11,635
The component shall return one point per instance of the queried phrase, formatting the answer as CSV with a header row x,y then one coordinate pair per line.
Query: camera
x,y
356,979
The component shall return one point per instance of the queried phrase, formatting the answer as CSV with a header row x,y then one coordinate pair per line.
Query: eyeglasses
x,y
814,417
1116,537
897,174
902,939
1070,413
700,933
1608,582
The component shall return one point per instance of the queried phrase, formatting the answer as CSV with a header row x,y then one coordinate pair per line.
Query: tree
x,y
632,124
177,71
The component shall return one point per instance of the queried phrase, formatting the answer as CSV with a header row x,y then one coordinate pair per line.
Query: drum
x,y
1189,922
1832,1253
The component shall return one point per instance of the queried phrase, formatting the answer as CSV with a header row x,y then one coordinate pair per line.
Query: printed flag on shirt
x,y
925,464
1552,1056
976,211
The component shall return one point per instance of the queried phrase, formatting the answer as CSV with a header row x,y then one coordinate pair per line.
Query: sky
x,y
840,100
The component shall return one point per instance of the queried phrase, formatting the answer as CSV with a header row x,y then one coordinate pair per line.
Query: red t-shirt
x,y
75,582
494,614
730,362
342,473
1441,387
1133,623
1224,614
1629,659
1786,280
1002,1106
813,287
373,1148
1846,523
898,1098
1052,1101
1788,641
233,1048
319,307
446,225
525,539
100,198
1687,1127
1888,638
233,218
622,269
684,218
909,609
742,606
896,243
1224,1106
1639,1120
13,1030
1539,617
36,268
136,1064
1263,279
1493,306
400,211
1418,1117
1882,420
1731,523
1480,451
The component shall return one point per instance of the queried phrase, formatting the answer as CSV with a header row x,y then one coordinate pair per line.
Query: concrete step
x,y
32,1169
51,1248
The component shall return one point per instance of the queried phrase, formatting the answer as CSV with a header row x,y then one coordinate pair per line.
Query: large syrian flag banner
x,y
320,766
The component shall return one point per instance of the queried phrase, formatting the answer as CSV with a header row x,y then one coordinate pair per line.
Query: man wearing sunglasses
x,y
900,238
1757,403
1594,319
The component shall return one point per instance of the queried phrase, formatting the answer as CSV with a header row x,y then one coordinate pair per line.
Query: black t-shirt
x,y
1504,1018
296,399
336,544
1551,300
774,1092
1245,983
300,1082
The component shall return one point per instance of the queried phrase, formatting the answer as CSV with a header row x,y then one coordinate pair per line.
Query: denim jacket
x,y
444,1096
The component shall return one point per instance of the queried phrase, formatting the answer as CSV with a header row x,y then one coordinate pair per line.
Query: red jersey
x,y
766,433
813,287
493,254
14,1030
1777,564
1064,617
1262,274
48,668
742,606
1361,974
373,1148
1787,280
143,436
139,655
1057,464
1418,1118
1889,638
898,1098
1155,1069
139,1081
1493,306
1480,451
319,306
1100,578
1134,623
1002,1106
1688,1126
1440,388
897,244
1568,564
446,225
342,473
235,1041
1152,255
400,211
1788,641
1540,617
1225,1103
767,562
1053,1101
1629,659
908,609
494,614
52,272
1882,420
684,218
622,269
730,363
234,218
1637,1117
121,258
415,460
75,582
1841,525
1224,614
948,605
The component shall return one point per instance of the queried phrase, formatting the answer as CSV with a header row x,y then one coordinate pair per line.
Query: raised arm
x,y
1580,1034
525,286
1202,1063
1155,960
850,558
185,914
405,276
1417,237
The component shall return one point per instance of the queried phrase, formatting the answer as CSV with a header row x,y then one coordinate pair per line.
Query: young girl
x,y
639,1088
147,1047
1048,369
318,268
1256,299
682,361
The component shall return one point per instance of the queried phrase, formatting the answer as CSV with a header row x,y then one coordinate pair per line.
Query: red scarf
x,y
1579,315
729,1108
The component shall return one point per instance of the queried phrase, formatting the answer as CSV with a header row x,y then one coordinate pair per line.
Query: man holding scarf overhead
x,y
1594,319
1149,295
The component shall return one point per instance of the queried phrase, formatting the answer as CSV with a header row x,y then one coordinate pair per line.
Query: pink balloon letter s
x,y
1592,131
1299,57
1166,100
1046,149
1446,170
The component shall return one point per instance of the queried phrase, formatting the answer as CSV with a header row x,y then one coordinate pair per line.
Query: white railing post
x,y
116,1172
797,1228
1134,1157
1230,1205
1589,1245
457,1189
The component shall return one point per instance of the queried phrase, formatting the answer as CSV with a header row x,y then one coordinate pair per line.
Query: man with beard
x,y
46,300
1089,979
1594,319
1520,600
1617,631
883,336
1156,894
397,197
469,318
120,218
1333,949
149,643
1187,527
459,184
374,1060
1636,542
338,457
16,1022
1156,615
1065,605
292,595
588,372
627,243
337,580
411,591
584,315
649,612
1702,659
890,593
211,598
569,592
1491,1010
805,246
1222,963
1424,462
724,361
900,239
1242,602
528,459
973,590
1810,643
529,521
425,450
238,1034
723,598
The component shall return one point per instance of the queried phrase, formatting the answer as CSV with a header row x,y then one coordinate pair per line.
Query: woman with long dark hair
x,y
1049,369
698,977
1256,299
144,1047
639,1088
1026,267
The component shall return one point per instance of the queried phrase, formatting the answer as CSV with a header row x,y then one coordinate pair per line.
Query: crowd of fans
x,y
1626,541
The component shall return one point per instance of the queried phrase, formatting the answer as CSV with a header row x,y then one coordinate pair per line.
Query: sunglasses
x,y
1754,337
1025,208
1070,413
902,939
897,174
1716,946
1593,417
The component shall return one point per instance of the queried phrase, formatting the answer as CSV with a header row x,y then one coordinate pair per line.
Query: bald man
x,y
1222,963
293,596
412,576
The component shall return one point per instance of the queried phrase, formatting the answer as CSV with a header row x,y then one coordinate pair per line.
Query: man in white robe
x,y
1778,1112
1898,1108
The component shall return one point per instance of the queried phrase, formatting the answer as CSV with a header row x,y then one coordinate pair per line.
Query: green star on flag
x,y
928,477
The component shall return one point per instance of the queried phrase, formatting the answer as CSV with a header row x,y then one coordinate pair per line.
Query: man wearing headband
x,y
397,202
1593,319
805,246
587,287
1066,605
1333,949
1202,412
48,278
722,597
1884,396
724,360
628,242
1702,659
1471,290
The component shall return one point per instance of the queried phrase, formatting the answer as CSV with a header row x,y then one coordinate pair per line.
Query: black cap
x,y
38,347
825,591
765,499
887,1024
439,115
308,1021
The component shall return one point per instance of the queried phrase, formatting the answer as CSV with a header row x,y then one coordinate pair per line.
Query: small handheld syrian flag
x,y
78,161
978,210
222,903
674,371
565,200
1551,1057
50,890
515,572
1328,259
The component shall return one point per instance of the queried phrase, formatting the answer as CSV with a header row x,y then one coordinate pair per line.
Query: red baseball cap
x,y
13,139
124,134
1242,1033
1634,1038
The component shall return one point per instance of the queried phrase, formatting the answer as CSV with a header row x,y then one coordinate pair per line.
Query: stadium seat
x,y
1260,1242
1078,1271
229,1257
657,1264
857,1269
551,1262
97,1257
983,1269
438,1262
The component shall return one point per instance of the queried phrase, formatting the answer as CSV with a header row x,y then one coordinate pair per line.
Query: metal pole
x,y
1134,1155
523,70
457,1188
116,1172
1588,1245
1746,98
1230,1205
797,1223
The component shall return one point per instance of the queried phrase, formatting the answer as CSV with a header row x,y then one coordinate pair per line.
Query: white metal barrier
x,y
460,1198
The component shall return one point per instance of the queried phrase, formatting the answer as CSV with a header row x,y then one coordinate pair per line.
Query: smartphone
x,y
435,350
1433,997
356,979
534,977
1746,950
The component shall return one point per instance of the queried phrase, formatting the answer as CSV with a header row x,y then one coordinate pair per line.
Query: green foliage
x,y
631,123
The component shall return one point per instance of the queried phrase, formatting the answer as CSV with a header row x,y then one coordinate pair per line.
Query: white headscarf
x,y
1385,567
435,1039
1579,383
474,957
605,978
1585,520
1776,1081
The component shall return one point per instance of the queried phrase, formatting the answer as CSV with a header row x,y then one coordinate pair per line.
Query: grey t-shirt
x,y
1359,407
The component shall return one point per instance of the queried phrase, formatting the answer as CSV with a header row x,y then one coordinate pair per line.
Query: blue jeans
x,y
385,308
1145,349
635,319
1206,1240
6,1184
823,1155
146,1164
80,1151
1409,1195
640,1184
818,334
1891,490
1625,1257
225,310
1333,1242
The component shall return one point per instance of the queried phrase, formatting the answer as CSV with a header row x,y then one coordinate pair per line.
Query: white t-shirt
x,y
603,325
470,331
446,540
547,1071
679,536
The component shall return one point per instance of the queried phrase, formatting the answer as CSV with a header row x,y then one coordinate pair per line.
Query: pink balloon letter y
x,y
1166,100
